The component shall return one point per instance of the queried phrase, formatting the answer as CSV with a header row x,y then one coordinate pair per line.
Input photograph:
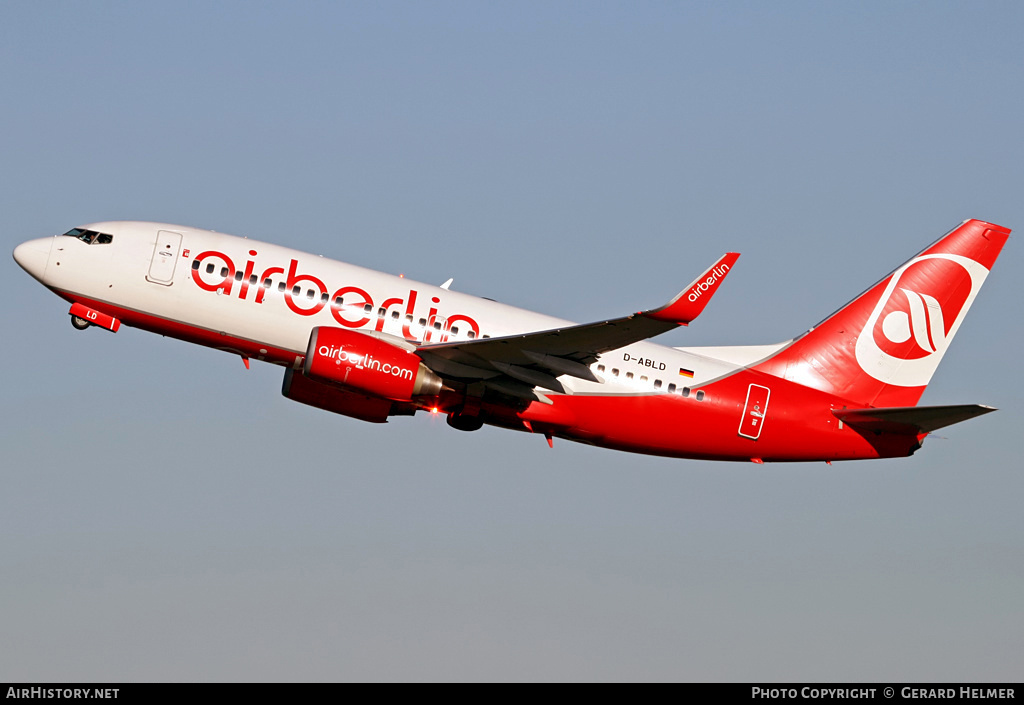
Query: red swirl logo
x,y
916,320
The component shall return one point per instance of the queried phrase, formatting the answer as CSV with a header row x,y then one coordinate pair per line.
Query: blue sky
x,y
167,515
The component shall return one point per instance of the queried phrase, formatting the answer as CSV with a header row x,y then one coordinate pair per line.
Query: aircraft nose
x,y
33,255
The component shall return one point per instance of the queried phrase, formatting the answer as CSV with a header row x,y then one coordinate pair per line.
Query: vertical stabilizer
x,y
882,348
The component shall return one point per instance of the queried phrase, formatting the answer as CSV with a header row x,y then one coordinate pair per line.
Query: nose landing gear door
x,y
165,258
754,411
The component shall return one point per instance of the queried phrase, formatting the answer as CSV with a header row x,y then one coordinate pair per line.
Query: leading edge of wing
x,y
581,344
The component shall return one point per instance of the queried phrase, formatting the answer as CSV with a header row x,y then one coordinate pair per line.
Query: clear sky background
x,y
167,515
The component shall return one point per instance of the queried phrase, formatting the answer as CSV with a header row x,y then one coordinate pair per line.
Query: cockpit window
x,y
90,237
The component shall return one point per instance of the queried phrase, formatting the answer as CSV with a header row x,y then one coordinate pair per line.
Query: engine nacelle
x,y
367,364
300,388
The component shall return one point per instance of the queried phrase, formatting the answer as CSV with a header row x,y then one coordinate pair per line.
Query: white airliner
x,y
371,345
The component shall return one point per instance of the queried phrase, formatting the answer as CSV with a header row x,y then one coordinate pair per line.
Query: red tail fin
x,y
882,348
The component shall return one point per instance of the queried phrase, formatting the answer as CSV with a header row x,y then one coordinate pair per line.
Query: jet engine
x,y
330,397
369,365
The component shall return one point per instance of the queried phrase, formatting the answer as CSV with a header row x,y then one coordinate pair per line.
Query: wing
x,y
515,364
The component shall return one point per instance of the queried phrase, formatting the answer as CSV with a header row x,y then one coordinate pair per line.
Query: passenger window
x,y
310,294
408,317
253,279
600,368
657,384
700,395
196,264
367,308
238,276
382,312
282,286
643,378
455,330
224,272
395,315
671,387
437,325
296,290
209,268
471,334
423,321
615,372
325,297
629,375
267,283
686,391
338,301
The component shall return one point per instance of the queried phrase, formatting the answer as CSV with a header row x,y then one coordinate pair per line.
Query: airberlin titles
x,y
712,278
367,361
356,311
370,365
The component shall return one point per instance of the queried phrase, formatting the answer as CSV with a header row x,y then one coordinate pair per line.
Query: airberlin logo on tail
x,y
924,323
917,315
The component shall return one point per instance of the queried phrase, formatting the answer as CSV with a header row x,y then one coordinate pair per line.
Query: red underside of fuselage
x,y
798,424
191,334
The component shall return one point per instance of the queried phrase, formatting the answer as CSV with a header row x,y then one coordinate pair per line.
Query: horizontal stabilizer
x,y
910,419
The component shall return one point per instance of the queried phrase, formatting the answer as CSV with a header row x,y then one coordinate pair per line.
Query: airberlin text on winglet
x,y
717,272
691,301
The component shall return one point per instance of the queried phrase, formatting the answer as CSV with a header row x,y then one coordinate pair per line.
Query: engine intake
x,y
370,365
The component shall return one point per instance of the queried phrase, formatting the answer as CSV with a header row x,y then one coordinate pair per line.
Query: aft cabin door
x,y
165,258
754,411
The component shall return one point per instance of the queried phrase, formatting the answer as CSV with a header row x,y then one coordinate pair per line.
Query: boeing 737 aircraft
x,y
370,345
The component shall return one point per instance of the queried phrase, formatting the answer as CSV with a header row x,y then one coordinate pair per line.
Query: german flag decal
x,y
683,372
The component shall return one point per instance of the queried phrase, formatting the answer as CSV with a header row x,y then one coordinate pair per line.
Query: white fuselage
x,y
153,274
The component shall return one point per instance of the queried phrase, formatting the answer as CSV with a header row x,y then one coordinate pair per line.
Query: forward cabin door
x,y
165,258
754,411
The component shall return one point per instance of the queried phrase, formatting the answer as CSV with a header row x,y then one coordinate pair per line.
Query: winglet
x,y
691,301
